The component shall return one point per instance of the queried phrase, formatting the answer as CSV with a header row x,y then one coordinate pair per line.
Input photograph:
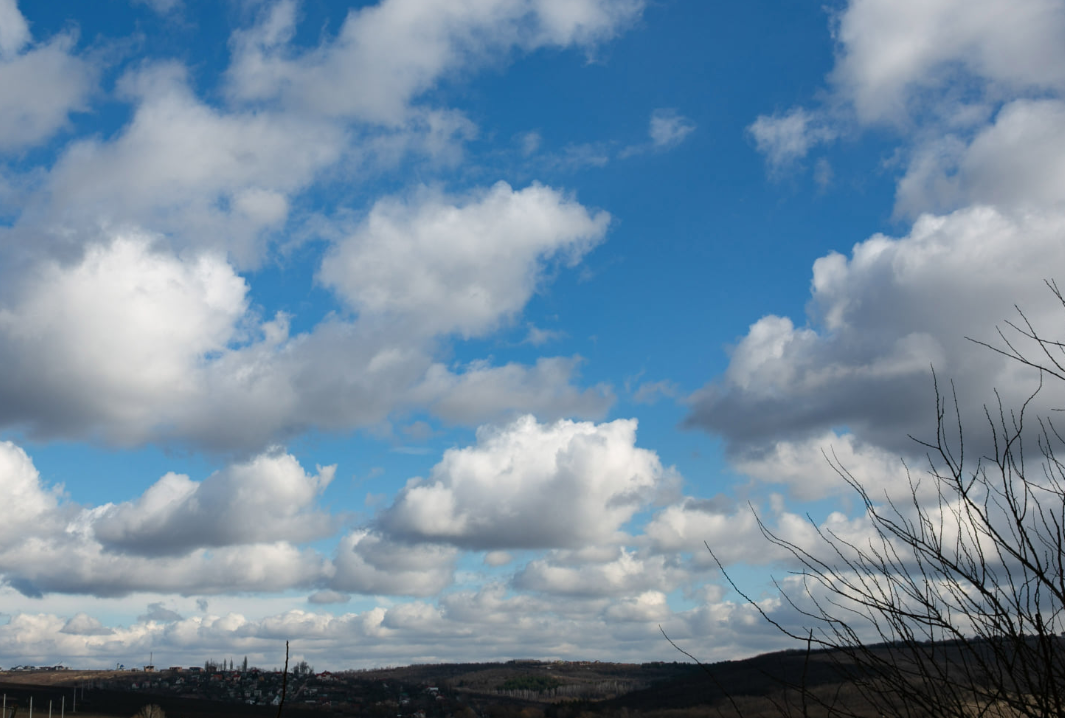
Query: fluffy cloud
x,y
804,467
132,342
14,31
269,498
367,562
626,575
1017,162
441,266
122,314
82,624
878,321
484,393
531,485
75,564
114,337
689,527
894,55
328,596
34,510
386,55
903,64
208,178
231,533
786,138
488,624
41,85
668,128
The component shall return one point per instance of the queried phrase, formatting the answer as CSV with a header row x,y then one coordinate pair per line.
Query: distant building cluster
x,y
39,668
344,693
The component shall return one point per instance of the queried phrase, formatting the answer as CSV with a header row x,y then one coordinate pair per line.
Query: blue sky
x,y
414,331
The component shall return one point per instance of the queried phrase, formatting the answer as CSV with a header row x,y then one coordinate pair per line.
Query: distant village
x,y
410,692
338,692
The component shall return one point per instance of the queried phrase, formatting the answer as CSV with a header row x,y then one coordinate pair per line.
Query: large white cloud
x,y
483,393
236,531
208,178
627,574
367,562
33,509
41,85
132,342
937,72
122,313
1017,161
77,564
878,321
386,55
14,30
115,336
896,54
268,498
808,467
443,266
532,485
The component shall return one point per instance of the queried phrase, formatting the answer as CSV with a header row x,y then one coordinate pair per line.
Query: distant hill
x,y
751,688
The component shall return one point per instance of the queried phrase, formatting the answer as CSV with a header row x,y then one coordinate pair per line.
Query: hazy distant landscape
x,y
759,687
515,689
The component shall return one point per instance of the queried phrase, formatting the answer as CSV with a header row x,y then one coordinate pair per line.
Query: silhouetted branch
x,y
954,605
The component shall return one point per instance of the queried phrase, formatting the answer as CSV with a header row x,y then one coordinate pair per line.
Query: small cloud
x,y
419,431
539,337
85,625
372,500
497,558
328,596
412,450
529,142
823,173
201,605
160,614
668,128
785,139
650,392
578,157
372,474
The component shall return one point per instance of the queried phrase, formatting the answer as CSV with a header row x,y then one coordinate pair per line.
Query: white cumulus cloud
x,y
895,54
268,498
385,56
459,266
531,485
41,85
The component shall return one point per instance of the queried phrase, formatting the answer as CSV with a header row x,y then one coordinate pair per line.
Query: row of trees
x,y
300,669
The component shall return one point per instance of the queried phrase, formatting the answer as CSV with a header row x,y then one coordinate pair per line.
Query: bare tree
x,y
953,604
